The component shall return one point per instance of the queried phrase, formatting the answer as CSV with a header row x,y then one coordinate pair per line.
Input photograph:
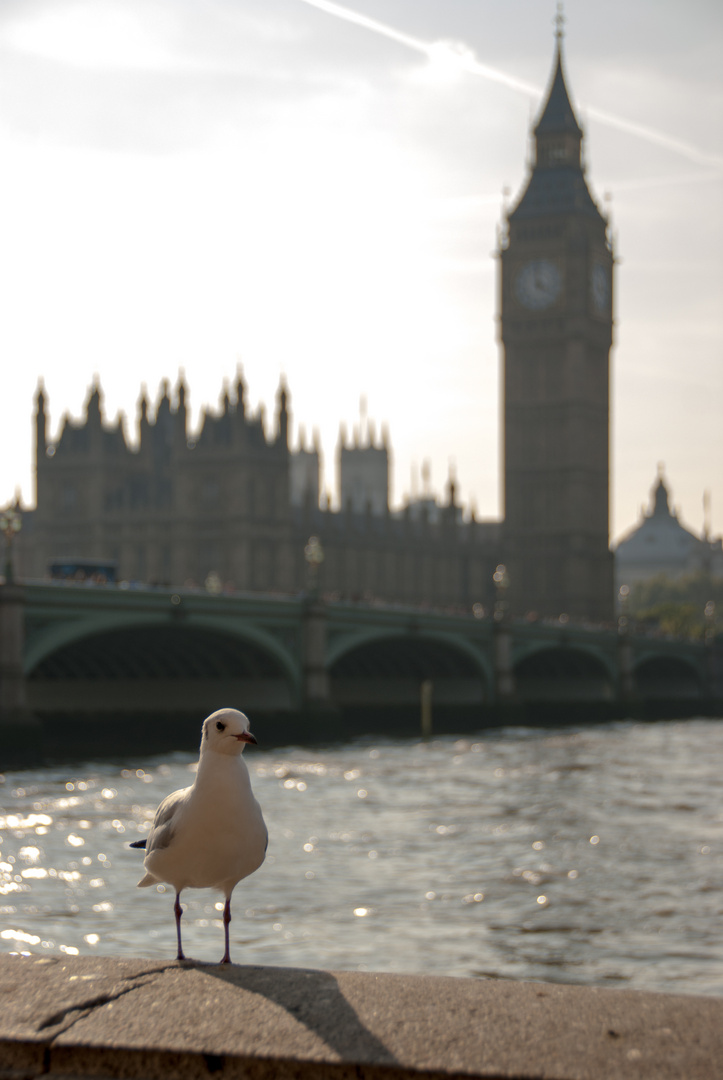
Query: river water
x,y
590,856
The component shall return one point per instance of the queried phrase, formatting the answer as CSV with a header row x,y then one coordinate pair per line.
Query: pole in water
x,y
426,703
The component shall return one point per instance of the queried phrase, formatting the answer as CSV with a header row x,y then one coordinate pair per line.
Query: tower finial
x,y
560,23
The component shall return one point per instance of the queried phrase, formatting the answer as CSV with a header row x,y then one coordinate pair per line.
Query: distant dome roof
x,y
659,540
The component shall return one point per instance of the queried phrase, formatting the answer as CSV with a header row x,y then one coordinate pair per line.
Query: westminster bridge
x,y
89,652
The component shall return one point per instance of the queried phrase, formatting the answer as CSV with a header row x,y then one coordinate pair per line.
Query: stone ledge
x,y
100,1017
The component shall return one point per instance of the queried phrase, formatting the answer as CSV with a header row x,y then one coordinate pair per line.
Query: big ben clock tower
x,y
556,280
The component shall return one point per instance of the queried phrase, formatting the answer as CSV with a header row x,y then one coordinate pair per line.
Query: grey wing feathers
x,y
164,823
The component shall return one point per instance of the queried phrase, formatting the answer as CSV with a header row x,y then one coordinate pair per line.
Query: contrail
x,y
693,153
465,60
461,55
370,24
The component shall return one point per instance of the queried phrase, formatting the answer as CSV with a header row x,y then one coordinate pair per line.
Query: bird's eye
x,y
220,726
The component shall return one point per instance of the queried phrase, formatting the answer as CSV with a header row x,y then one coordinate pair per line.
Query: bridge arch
x,y
663,676
389,666
564,672
606,658
62,635
110,664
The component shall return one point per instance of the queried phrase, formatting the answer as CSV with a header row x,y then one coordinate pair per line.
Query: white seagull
x,y
212,834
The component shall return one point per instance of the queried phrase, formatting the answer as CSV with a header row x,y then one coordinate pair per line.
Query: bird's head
x,y
226,732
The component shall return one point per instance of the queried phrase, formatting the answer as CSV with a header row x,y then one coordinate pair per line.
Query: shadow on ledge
x,y
314,999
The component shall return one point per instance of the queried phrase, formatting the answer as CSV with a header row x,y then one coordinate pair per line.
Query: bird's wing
x,y
165,821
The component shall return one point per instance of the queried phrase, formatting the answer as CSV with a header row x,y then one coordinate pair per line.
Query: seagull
x,y
212,834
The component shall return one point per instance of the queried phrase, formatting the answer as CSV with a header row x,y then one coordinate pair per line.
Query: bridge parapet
x,y
89,648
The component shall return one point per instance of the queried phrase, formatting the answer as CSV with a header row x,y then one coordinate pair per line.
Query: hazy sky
x,y
314,190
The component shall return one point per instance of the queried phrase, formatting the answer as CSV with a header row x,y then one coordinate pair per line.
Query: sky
x,y
313,190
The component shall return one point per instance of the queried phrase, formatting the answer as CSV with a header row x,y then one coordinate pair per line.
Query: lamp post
x,y
709,613
504,678
10,525
213,583
314,555
502,582
317,687
709,641
623,598
625,648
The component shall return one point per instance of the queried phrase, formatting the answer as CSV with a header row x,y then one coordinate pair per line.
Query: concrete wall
x,y
100,1017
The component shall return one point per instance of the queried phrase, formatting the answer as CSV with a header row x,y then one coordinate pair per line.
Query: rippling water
x,y
588,856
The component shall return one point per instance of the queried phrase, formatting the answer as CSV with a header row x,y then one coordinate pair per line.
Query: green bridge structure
x,y
87,659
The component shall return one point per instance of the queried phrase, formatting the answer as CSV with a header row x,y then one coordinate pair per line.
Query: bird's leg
x,y
226,959
178,912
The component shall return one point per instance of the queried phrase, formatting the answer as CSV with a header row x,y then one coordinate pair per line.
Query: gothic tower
x,y
556,278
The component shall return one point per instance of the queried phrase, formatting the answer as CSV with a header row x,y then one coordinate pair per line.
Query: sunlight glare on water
x,y
588,856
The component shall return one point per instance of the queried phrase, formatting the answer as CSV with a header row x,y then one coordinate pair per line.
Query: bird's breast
x,y
219,838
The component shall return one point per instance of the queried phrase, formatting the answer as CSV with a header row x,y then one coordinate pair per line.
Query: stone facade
x,y
217,508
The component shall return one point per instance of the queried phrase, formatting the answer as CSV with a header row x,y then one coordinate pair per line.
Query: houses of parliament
x,y
234,502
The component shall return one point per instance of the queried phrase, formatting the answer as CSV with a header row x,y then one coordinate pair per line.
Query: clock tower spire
x,y
556,275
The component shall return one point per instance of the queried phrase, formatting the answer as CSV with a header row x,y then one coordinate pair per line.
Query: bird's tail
x,y
146,880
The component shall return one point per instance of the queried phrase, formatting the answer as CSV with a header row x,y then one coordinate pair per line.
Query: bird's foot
x,y
225,959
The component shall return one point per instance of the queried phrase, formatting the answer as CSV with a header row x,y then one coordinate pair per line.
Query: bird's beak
x,y
247,737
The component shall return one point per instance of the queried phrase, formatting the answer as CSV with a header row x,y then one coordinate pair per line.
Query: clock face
x,y
538,284
599,287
